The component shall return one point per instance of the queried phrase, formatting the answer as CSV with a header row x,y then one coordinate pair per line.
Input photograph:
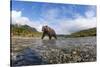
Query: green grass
x,y
27,31
24,31
84,33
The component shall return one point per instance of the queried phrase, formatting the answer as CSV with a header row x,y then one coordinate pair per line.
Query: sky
x,y
63,18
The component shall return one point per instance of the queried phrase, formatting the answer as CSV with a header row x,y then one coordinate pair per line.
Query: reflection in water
x,y
27,57
49,43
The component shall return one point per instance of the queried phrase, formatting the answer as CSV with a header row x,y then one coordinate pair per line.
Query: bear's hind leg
x,y
55,36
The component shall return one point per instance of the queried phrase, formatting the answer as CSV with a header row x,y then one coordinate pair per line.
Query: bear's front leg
x,y
43,35
50,37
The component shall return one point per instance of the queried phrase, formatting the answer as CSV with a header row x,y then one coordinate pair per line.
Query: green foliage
x,y
27,31
24,30
84,33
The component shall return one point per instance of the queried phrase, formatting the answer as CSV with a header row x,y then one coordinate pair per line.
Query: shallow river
x,y
62,50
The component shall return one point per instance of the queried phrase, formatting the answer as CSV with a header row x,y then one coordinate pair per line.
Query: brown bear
x,y
49,32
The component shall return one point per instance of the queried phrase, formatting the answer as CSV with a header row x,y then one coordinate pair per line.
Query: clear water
x,y
25,46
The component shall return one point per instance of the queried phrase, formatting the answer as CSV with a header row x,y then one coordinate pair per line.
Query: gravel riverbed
x,y
31,51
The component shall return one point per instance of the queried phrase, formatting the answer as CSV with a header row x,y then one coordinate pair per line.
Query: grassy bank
x,y
24,31
31,34
27,31
84,33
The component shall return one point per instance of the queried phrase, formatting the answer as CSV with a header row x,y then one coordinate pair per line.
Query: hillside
x,y
84,33
24,30
27,31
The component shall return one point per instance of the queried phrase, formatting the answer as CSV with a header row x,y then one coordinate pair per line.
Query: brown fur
x,y
49,32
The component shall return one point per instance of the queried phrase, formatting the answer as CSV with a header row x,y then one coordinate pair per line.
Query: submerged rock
x,y
27,57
